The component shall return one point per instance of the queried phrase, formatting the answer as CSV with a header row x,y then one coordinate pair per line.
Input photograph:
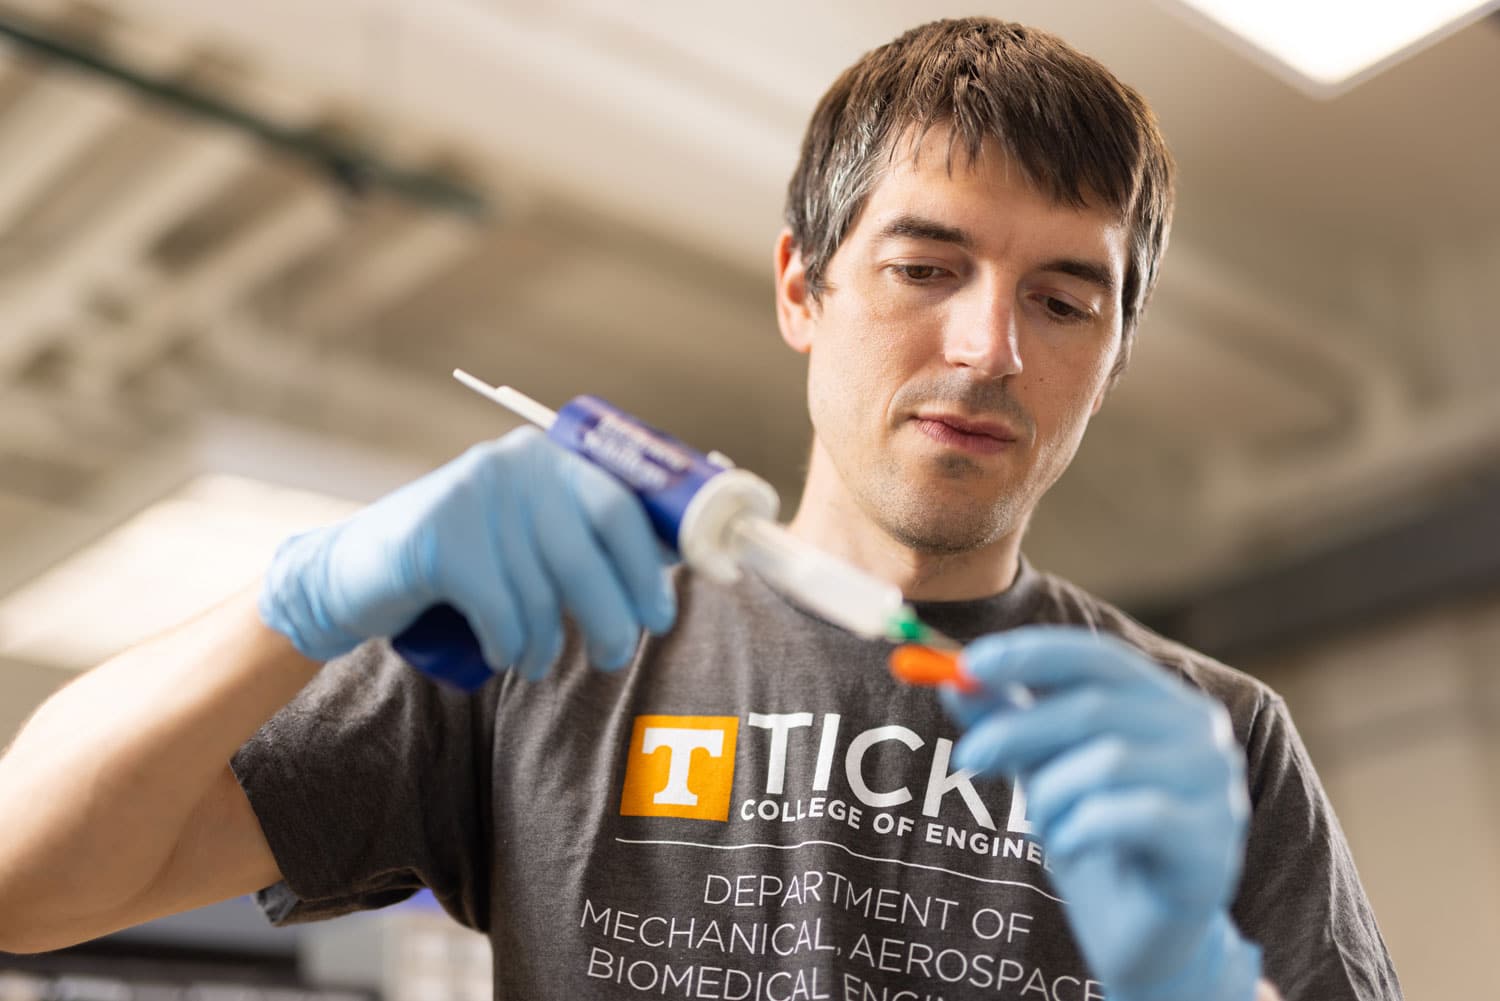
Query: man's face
x,y
964,338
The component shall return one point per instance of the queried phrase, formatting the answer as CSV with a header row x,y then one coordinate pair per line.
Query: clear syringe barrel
x,y
823,584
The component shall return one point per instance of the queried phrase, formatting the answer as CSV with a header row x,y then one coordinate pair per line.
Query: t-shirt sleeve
x,y
1300,896
371,784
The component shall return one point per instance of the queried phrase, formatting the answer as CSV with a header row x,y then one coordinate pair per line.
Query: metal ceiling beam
x,y
352,166
209,289
524,90
386,275
46,130
42,306
308,385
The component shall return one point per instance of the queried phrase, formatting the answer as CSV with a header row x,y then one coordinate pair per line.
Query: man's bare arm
x,y
116,798
116,801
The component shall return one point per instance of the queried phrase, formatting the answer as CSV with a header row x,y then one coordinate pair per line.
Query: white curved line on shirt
x,y
851,851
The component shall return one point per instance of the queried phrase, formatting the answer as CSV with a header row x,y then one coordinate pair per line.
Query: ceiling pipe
x,y
353,168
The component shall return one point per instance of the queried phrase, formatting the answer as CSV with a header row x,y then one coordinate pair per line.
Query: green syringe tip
x,y
905,626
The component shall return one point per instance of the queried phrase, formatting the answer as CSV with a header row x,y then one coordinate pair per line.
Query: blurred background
x,y
243,245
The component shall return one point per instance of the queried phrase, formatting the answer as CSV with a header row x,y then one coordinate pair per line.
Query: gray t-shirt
x,y
753,809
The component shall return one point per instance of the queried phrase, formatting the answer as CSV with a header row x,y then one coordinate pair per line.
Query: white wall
x,y
1400,719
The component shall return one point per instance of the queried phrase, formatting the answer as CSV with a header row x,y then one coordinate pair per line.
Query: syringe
x,y
717,516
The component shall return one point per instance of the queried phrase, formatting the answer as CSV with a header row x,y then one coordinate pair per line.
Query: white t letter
x,y
680,743
778,724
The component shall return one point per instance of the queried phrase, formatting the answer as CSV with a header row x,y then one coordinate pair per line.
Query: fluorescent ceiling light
x,y
1328,46
186,552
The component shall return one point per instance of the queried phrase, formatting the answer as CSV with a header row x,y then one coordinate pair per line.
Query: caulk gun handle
x,y
441,645
665,474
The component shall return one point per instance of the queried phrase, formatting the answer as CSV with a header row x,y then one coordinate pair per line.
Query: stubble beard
x,y
940,521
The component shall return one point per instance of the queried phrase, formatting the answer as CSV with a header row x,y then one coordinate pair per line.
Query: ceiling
x,y
1319,358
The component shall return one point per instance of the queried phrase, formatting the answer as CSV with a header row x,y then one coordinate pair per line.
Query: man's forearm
x,y
97,787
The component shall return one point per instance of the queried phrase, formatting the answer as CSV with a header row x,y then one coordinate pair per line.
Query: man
x,y
744,804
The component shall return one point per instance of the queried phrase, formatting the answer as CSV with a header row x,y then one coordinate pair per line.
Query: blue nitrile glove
x,y
1135,785
510,533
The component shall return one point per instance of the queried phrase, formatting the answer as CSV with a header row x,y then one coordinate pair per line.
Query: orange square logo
x,y
680,766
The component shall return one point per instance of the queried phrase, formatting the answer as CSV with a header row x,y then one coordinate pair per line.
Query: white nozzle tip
x,y
473,382
511,399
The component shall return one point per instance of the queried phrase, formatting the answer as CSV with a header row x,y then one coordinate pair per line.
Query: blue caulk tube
x,y
698,504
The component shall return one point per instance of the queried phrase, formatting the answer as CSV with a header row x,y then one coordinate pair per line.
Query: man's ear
x,y
794,306
1122,356
1099,400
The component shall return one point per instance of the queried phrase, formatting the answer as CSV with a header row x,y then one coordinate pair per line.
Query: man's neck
x,y
831,519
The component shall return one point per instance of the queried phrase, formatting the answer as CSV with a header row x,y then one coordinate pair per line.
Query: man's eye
x,y
920,273
1063,310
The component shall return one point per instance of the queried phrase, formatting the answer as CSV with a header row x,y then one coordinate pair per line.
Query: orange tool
x,y
922,665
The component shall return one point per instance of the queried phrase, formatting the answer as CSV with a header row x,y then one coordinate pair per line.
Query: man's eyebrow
x,y
1094,274
919,228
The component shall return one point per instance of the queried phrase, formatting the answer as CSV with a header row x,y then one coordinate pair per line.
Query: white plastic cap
x,y
706,536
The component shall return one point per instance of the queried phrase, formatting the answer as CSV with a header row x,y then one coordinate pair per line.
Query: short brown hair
x,y
1076,131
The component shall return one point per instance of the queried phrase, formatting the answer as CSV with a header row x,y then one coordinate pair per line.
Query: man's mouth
x,y
975,435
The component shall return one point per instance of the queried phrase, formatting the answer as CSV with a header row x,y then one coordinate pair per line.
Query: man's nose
x,y
984,334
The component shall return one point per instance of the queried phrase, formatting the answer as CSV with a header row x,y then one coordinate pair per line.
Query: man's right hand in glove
x,y
512,533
